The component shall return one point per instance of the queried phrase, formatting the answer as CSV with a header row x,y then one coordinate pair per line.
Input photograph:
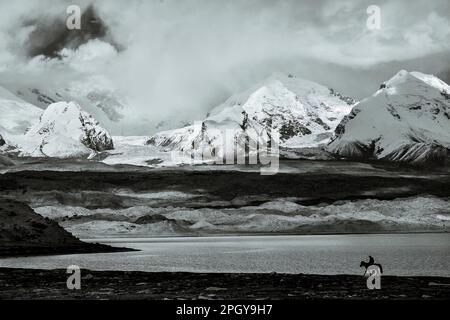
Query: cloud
x,y
180,58
95,54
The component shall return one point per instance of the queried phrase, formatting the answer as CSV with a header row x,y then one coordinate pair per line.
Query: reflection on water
x,y
400,254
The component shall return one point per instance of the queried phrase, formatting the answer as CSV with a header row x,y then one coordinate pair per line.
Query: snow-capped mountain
x,y
302,113
64,130
407,120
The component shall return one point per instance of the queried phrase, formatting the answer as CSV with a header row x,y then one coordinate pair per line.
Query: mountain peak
x,y
297,84
406,120
399,77
65,130
403,76
301,112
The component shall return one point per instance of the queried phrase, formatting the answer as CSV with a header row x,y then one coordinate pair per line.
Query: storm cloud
x,y
181,58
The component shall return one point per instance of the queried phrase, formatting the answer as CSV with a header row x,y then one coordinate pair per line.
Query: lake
x,y
400,254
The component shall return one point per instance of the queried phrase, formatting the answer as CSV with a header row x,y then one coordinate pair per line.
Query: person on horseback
x,y
370,263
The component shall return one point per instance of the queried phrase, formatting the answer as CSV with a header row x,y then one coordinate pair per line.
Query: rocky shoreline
x,y
10,251
51,284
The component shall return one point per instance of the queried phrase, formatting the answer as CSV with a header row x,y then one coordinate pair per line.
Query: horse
x,y
370,263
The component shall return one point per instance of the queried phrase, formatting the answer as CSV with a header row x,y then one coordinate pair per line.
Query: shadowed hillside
x,y
24,232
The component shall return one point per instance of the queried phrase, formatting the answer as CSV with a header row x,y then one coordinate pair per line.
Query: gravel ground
x,y
51,284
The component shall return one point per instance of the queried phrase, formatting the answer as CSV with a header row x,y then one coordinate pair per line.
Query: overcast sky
x,y
184,57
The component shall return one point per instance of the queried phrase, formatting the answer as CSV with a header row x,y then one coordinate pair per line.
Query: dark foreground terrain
x,y
40,284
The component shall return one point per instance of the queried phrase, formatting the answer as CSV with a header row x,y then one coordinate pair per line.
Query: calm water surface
x,y
400,254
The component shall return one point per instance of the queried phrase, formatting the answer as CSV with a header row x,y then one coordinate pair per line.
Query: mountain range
x,y
302,113
406,120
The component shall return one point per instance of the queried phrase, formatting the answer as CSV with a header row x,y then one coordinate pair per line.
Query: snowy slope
x,y
133,150
16,115
302,113
64,130
407,120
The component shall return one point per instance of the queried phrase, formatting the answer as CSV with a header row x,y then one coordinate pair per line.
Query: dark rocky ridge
x,y
20,224
24,232
5,161
228,185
